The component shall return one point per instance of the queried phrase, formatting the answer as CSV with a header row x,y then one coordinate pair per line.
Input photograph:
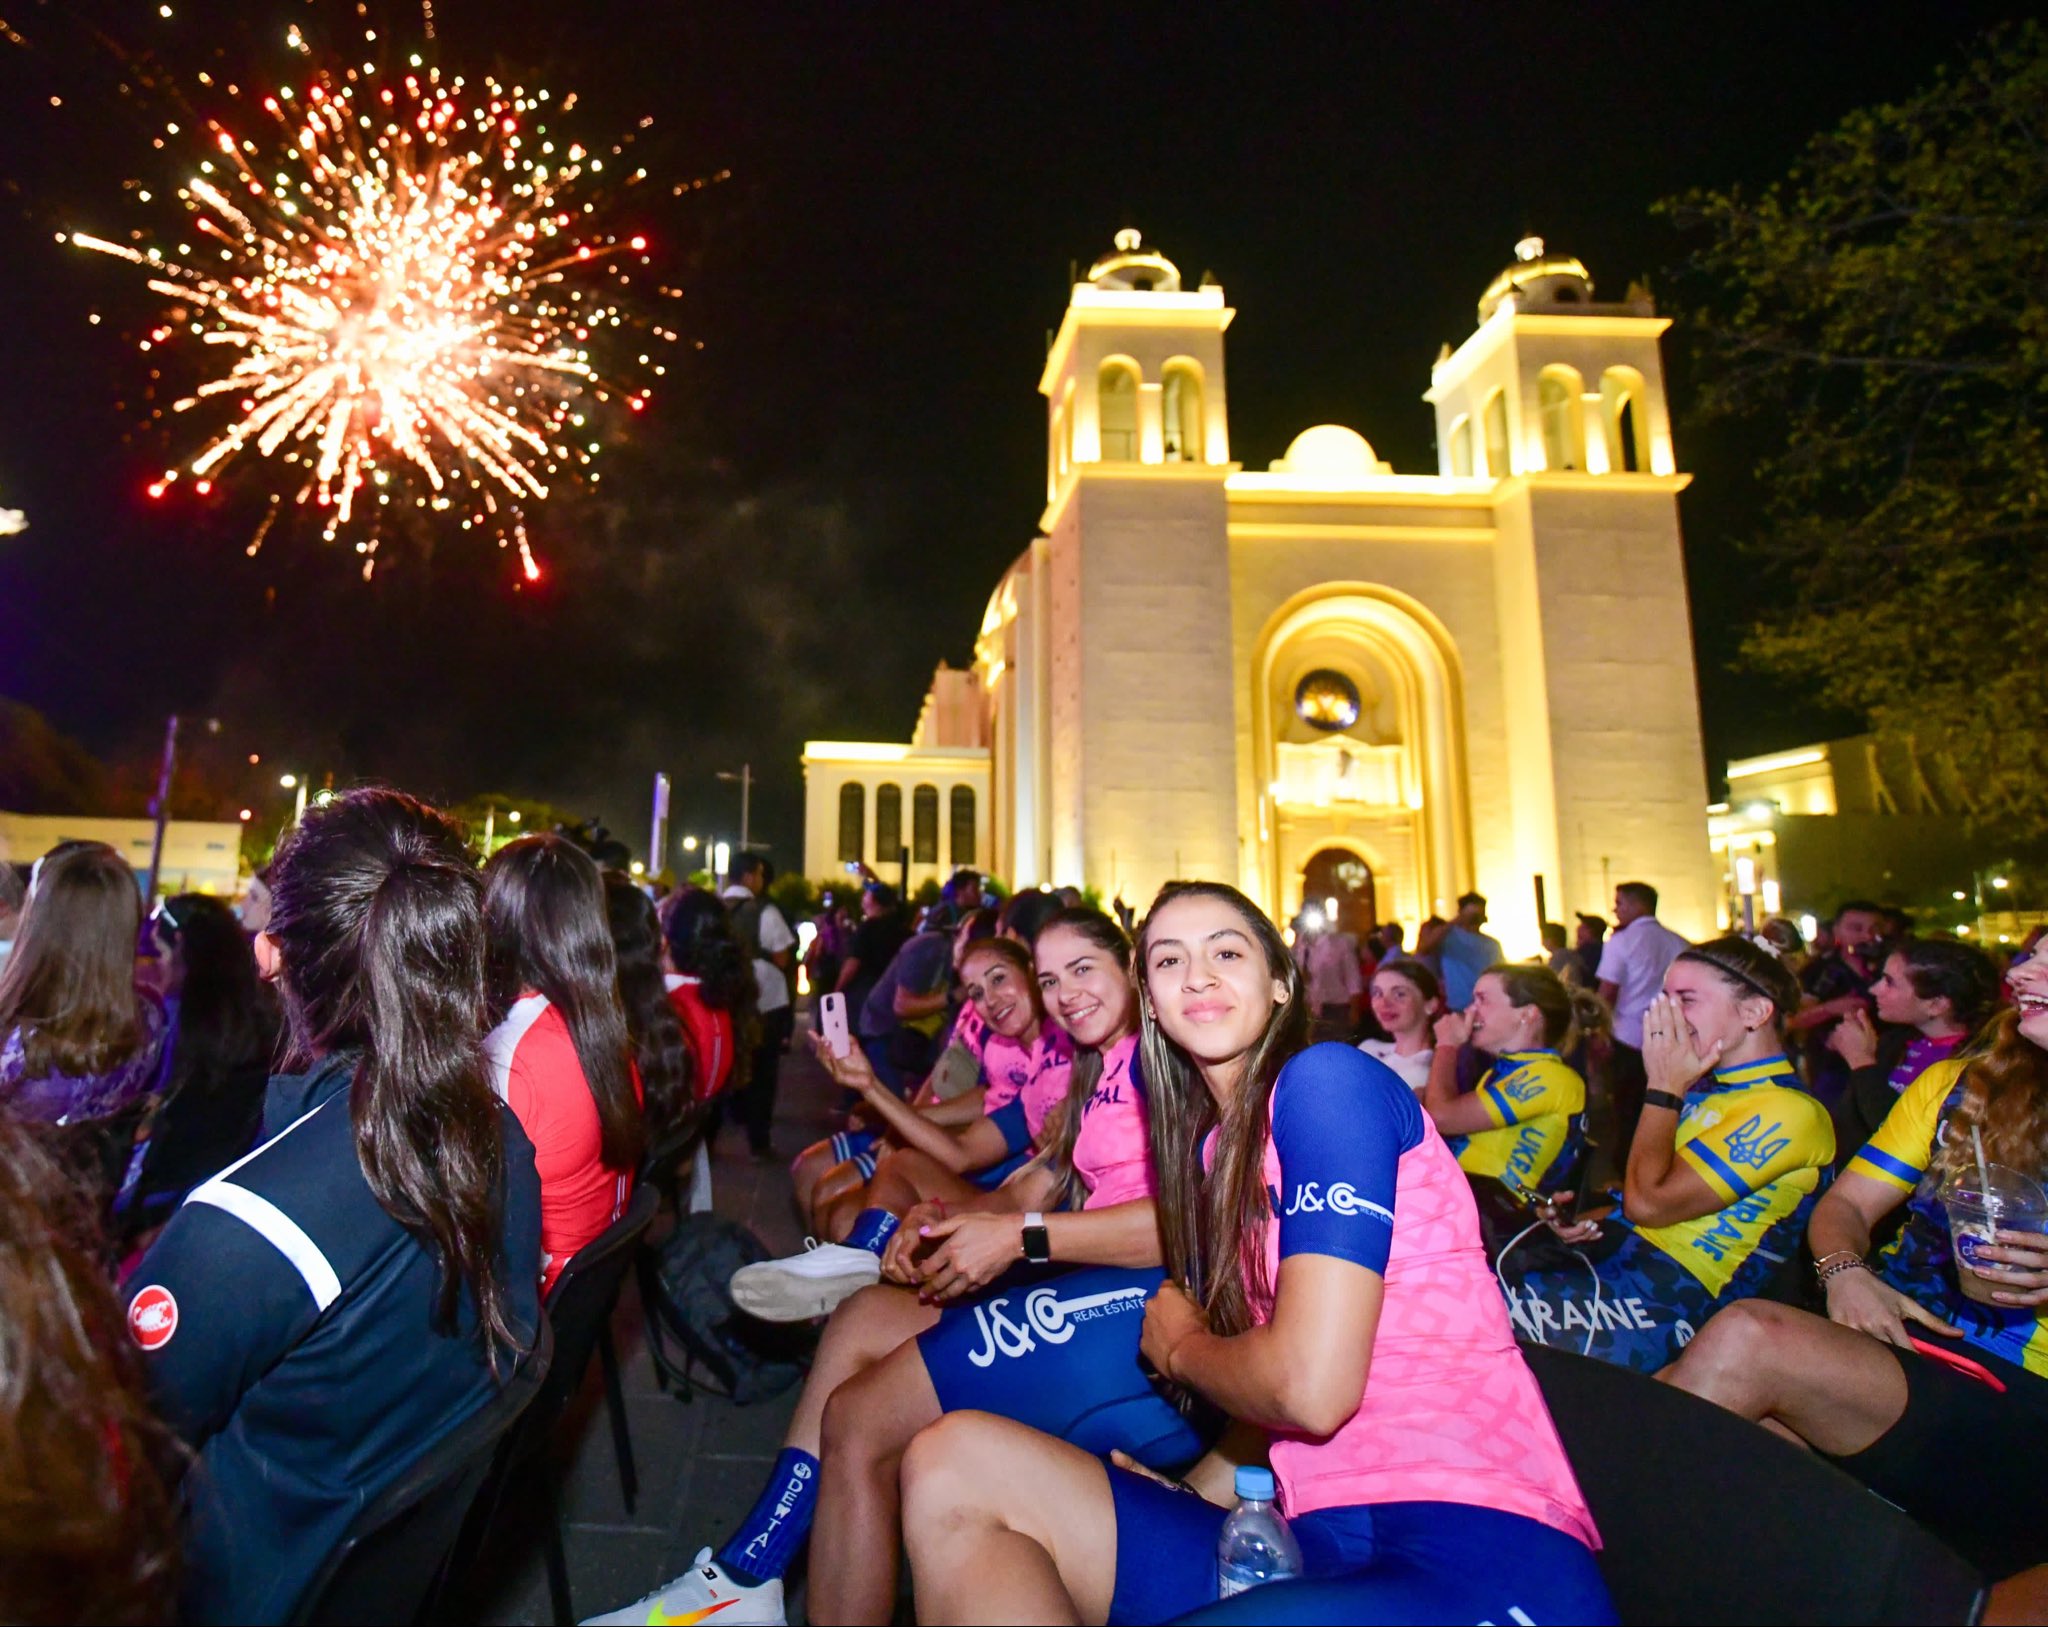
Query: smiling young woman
x,y
1934,1396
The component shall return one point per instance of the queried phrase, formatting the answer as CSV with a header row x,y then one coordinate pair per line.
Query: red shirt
x,y
708,1033
535,1069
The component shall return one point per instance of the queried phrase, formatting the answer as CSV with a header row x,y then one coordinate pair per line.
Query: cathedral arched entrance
x,y
1358,748
1339,882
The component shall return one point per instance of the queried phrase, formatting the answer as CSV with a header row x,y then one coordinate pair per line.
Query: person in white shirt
x,y
772,945
1632,969
1406,1002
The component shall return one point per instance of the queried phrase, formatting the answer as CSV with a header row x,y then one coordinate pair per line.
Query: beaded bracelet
x,y
1829,1266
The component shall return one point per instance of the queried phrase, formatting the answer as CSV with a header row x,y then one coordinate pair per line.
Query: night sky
x,y
818,505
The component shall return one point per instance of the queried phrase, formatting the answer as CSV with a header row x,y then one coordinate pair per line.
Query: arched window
x,y
1116,398
888,822
1461,447
1181,399
924,825
853,819
960,808
1560,395
1623,418
1498,462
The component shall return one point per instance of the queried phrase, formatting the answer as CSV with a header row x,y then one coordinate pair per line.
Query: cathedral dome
x,y
1134,267
1538,281
1330,453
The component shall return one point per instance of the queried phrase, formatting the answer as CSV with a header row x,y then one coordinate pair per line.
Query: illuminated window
x,y
888,821
1181,392
853,816
960,806
1560,395
1326,700
1498,462
1622,416
1461,447
924,825
1117,408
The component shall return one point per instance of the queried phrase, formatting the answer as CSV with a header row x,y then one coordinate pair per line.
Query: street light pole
x,y
745,780
160,805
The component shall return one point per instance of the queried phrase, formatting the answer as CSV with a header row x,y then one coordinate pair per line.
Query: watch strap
x,y
1663,1098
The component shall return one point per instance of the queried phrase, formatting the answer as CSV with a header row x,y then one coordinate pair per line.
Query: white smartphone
x,y
832,1016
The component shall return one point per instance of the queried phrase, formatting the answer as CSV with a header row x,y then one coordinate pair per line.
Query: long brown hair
x,y
377,914
88,1531
70,982
546,929
1058,1154
1203,1223
2005,1096
660,1050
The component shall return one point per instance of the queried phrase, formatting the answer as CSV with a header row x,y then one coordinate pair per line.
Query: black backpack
x,y
743,1359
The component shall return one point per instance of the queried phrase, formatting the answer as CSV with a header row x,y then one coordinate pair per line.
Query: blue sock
x,y
775,1528
872,1229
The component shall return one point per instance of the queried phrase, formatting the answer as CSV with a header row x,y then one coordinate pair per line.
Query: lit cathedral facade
x,y
1325,681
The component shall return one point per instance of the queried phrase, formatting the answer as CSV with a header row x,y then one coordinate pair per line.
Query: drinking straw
x,y
1984,1180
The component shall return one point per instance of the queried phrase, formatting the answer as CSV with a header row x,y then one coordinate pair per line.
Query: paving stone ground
x,y
700,1462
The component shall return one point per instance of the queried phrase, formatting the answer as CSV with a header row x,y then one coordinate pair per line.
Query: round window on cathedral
x,y
1326,700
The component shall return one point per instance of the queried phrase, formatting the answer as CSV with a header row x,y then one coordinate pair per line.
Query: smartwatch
x,y
1037,1241
1663,1098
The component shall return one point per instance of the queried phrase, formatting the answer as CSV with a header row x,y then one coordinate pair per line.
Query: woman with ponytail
x,y
1329,1291
1519,1134
319,1314
1726,1163
1927,1379
558,1052
1028,1303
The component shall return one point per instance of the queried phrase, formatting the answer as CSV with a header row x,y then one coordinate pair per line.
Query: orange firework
x,y
403,302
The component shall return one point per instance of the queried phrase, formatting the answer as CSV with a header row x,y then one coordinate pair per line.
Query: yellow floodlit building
x,y
1326,681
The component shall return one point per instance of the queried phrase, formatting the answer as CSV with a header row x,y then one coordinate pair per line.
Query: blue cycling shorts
x,y
994,1176
861,1148
1382,1563
1647,1310
1059,1352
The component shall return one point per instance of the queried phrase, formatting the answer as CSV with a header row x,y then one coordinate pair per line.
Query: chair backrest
x,y
1709,1517
581,1303
390,1563
660,1166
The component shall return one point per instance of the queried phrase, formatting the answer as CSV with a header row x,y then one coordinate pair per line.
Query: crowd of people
x,y
1120,1210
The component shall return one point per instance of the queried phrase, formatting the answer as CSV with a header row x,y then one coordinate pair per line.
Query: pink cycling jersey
x,y
1039,1075
1451,1413
1111,1154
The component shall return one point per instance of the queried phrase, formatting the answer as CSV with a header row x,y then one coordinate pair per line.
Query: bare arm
x,y
1304,1371
1454,1115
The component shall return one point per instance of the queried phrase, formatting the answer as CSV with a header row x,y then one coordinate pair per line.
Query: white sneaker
x,y
705,1594
804,1285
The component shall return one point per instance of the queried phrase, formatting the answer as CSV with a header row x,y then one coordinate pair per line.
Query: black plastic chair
x,y
393,1561
579,1308
1708,1517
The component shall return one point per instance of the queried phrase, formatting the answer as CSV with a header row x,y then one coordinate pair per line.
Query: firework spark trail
x,y
407,294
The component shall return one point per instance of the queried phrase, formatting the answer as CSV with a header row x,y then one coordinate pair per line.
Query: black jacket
x,y
286,1323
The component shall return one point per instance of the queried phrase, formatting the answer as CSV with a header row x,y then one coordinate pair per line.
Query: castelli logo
x,y
153,1317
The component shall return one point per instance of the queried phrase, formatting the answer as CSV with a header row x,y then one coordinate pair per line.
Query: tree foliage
x,y
1885,307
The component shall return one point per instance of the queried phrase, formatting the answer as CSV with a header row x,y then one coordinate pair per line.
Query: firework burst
x,y
400,303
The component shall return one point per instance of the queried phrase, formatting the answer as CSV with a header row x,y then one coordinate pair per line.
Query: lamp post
x,y
745,780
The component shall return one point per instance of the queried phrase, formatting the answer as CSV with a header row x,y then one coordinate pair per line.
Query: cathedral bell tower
x,y
1132,687
1554,407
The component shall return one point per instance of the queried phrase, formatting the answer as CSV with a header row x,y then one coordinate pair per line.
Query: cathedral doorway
x,y
1338,882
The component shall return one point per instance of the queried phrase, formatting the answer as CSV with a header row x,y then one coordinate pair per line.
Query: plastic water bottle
x,y
1255,1547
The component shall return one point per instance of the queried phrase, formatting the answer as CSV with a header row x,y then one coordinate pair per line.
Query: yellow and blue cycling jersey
x,y
1765,1147
1537,1103
1920,1261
